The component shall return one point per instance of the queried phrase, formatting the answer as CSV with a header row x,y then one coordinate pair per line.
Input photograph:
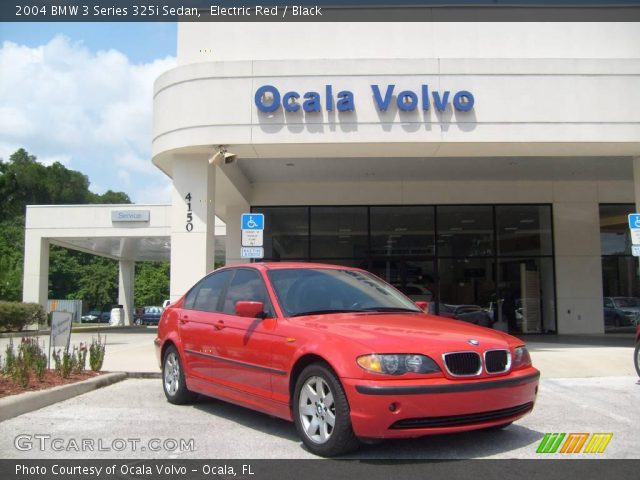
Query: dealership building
x,y
480,164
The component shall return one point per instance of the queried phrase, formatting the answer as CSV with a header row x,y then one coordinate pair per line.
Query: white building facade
x,y
480,164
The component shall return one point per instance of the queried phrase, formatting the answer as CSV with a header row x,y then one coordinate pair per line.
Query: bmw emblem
x,y
473,342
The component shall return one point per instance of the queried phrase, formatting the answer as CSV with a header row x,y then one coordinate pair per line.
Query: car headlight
x,y
521,357
397,364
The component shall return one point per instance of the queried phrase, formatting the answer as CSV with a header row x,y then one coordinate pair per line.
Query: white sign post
x,y
60,331
252,235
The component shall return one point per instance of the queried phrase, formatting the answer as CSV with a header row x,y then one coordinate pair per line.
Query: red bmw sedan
x,y
341,353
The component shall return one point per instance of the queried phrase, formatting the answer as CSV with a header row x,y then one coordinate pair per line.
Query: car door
x,y
199,332
247,342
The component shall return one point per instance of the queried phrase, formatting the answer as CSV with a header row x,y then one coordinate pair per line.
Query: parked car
x,y
150,316
621,311
467,313
636,353
91,317
342,354
105,317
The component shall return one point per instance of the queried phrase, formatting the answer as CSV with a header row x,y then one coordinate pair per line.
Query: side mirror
x,y
424,306
250,309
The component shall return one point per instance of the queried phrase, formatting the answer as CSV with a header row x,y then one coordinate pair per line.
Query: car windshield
x,y
306,291
95,312
622,302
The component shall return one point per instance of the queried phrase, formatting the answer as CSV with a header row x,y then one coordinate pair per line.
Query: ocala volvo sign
x,y
269,99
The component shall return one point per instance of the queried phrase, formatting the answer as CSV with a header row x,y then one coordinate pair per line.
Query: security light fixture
x,y
222,156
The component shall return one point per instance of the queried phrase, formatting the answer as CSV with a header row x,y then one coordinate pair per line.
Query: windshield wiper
x,y
389,309
319,312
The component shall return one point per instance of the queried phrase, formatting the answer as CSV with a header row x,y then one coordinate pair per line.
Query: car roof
x,y
289,265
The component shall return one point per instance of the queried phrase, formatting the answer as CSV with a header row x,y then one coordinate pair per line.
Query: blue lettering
x,y
425,97
345,101
407,101
312,104
289,101
463,101
383,104
440,103
260,97
328,91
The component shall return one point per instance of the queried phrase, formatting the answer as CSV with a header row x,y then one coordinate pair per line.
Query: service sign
x,y
252,227
130,215
60,329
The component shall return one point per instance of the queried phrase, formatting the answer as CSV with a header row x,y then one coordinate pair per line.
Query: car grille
x,y
497,361
457,420
462,363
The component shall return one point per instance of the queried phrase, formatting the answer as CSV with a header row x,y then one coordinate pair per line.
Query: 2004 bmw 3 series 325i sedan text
x,y
341,353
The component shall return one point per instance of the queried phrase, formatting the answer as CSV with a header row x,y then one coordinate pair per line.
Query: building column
x,y
126,277
192,222
35,286
578,264
233,238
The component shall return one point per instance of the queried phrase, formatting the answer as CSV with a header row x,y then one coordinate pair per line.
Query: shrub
x,y
14,316
96,353
9,359
20,371
81,358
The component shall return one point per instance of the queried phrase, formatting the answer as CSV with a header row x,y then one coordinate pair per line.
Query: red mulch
x,y
51,379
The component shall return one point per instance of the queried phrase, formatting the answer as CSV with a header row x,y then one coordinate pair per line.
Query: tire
x,y
636,358
173,383
319,399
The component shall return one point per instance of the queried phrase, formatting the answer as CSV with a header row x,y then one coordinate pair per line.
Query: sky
x,y
81,94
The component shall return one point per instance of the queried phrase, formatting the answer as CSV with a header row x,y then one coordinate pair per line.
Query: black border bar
x,y
326,11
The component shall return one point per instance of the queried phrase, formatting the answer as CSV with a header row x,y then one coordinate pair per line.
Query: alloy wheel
x,y
317,410
171,373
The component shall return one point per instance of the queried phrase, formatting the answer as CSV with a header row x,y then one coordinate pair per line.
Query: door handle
x,y
219,325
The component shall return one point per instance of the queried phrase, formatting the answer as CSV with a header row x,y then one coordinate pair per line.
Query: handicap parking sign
x,y
252,221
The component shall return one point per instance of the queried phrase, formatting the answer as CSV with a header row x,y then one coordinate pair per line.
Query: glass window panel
x,y
246,286
524,230
614,229
526,296
467,289
414,278
207,294
465,231
286,232
339,232
402,231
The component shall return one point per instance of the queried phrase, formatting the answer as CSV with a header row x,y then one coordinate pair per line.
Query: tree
x,y
151,283
24,181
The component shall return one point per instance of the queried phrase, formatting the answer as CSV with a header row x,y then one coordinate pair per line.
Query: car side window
x,y
206,294
608,303
247,285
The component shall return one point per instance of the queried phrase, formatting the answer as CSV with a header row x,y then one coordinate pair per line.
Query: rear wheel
x,y
321,412
636,358
173,382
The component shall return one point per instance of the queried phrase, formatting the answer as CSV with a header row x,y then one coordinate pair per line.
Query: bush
x,y
9,359
14,316
96,353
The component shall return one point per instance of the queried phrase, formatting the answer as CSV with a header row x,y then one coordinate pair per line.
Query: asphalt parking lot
x,y
587,386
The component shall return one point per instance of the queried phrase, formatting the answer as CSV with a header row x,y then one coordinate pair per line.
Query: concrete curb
x,y
27,402
89,329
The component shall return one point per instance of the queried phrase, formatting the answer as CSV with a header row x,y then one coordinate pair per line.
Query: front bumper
x,y
413,408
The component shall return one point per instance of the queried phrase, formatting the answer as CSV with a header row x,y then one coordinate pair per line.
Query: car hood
x,y
407,332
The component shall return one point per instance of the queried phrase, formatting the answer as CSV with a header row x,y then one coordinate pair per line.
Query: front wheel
x,y
321,412
636,358
173,382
